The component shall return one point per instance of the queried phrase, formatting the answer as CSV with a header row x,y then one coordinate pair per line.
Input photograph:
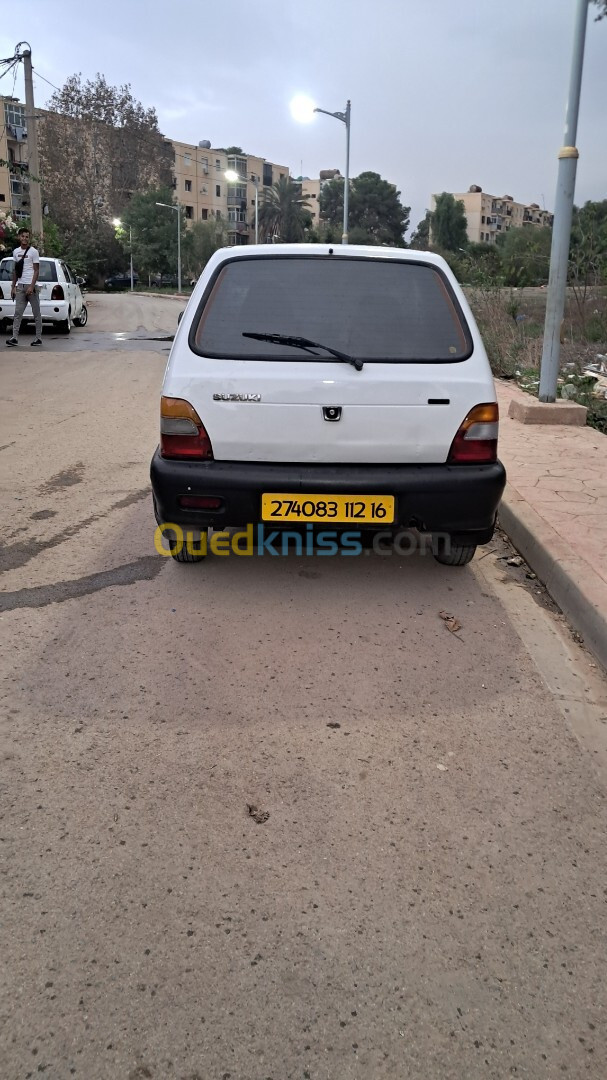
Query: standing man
x,y
23,289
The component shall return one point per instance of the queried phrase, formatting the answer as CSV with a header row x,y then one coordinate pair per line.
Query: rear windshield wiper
x,y
308,345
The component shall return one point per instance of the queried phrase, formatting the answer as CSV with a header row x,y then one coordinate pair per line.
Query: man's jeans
x,y
21,302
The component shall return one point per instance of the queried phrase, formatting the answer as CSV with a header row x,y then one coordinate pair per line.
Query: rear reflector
x,y
199,502
182,433
476,440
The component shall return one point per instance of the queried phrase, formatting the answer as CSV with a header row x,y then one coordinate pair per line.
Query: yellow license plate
x,y
326,509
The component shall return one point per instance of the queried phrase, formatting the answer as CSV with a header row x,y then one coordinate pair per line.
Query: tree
x,y
421,237
587,254
588,249
602,6
282,212
154,232
98,145
376,214
203,240
525,254
449,225
481,264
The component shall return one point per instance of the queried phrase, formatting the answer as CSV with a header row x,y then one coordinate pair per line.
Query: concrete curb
x,y
572,583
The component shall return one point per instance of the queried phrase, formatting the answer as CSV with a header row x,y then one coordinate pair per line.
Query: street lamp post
x,y
233,178
302,109
563,210
117,222
171,206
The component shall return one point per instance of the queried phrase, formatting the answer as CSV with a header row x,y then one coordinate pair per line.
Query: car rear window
x,y
381,310
48,270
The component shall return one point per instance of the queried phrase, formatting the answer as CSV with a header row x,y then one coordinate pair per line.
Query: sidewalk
x,y
555,512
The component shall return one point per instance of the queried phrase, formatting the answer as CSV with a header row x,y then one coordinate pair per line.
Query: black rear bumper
x,y
460,500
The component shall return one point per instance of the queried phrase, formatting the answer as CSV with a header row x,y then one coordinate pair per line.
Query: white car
x,y
329,386
58,287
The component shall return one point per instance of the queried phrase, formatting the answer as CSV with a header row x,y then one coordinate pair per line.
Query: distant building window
x,y
267,174
189,212
2,198
217,163
204,213
187,159
483,219
218,214
218,189
238,165
15,116
188,185
252,201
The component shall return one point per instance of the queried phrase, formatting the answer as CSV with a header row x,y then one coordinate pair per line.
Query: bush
x,y
512,343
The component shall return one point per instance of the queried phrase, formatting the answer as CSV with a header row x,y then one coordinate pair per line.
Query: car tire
x,y
65,326
83,318
450,554
183,555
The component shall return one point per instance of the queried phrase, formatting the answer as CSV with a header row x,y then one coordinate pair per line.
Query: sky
x,y
445,93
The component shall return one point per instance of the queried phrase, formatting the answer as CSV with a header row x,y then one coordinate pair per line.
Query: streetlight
x,y
302,110
116,222
171,206
233,178
563,211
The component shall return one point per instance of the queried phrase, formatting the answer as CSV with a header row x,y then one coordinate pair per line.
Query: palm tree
x,y
283,212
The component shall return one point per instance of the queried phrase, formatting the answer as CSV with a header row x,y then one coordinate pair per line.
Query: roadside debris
x,y
516,560
259,816
450,621
443,768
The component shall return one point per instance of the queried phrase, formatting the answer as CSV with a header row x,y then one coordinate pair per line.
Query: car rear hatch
x,y
422,369
47,277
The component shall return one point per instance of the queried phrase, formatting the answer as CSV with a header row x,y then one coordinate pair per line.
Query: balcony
x,y
237,200
238,227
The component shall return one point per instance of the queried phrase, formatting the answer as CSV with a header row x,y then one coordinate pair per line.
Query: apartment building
x,y
311,190
202,189
198,175
490,215
14,182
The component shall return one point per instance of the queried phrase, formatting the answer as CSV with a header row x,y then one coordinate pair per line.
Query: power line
x,y
39,76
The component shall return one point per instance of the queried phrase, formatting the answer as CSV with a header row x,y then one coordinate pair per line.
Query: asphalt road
x,y
424,893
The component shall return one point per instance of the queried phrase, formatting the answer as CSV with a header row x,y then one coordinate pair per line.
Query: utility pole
x,y
32,144
563,211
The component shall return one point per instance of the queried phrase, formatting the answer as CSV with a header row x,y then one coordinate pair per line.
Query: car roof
x,y
43,258
366,251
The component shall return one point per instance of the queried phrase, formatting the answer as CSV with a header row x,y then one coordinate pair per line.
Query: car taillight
x,y
57,293
182,433
476,440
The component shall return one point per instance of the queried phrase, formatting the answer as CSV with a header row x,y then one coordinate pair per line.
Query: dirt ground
x,y
267,817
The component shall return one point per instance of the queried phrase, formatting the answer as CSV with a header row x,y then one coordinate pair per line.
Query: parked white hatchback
x,y
61,302
329,386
